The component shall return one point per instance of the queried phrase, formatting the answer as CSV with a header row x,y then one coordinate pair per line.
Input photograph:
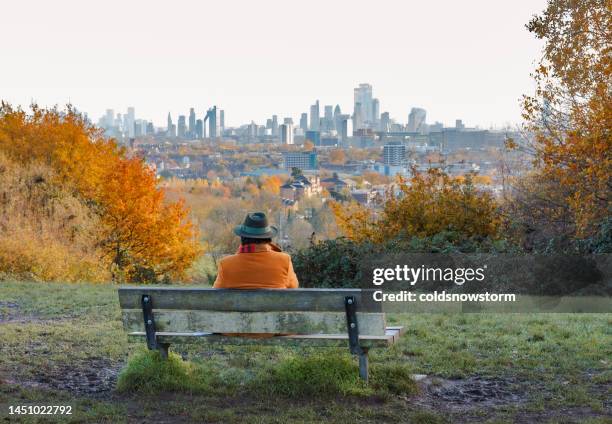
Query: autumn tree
x,y
428,203
140,234
570,115
337,156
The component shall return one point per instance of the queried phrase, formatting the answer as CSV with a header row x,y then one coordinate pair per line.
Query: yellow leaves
x,y
272,184
139,229
428,204
570,115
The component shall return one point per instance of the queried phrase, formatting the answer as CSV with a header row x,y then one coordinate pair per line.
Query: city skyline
x,y
469,60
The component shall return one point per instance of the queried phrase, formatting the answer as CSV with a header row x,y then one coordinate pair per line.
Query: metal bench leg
x,y
163,349
363,364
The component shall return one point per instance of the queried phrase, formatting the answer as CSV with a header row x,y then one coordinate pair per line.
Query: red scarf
x,y
255,248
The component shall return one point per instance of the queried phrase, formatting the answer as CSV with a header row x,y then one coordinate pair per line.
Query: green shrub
x,y
312,375
392,378
331,263
147,372
336,263
295,376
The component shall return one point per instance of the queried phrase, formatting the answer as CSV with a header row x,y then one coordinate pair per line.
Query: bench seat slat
x,y
323,340
187,298
370,324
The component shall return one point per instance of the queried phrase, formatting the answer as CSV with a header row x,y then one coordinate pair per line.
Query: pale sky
x,y
467,59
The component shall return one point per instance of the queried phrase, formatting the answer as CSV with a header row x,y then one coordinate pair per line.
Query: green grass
x,y
295,376
559,361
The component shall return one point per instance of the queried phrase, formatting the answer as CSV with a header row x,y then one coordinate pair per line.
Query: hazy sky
x,y
466,59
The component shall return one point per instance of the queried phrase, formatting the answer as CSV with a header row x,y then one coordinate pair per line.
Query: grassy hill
x,y
63,344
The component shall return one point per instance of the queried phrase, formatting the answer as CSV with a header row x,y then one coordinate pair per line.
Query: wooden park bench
x,y
307,317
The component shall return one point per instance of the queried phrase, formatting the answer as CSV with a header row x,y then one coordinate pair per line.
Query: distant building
x,y
328,118
109,119
131,118
314,137
329,142
300,187
170,131
304,121
301,160
222,120
416,120
363,106
335,183
314,116
358,122
213,122
182,127
337,117
199,129
345,130
192,123
436,127
363,196
375,110
385,122
286,133
394,154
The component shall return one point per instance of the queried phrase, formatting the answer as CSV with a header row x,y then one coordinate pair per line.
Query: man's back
x,y
256,266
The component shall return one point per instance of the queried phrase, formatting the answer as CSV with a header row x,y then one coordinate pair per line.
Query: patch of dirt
x,y
462,395
9,311
96,377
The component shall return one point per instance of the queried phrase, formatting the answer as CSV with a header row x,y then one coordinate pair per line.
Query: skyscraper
x,y
345,129
222,120
328,118
314,117
213,122
358,122
304,121
416,119
274,125
182,127
192,123
170,127
385,122
109,118
286,133
375,110
363,97
131,118
199,129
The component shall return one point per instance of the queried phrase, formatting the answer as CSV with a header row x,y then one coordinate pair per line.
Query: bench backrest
x,y
295,311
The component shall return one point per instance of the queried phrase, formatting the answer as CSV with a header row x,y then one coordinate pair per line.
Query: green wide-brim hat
x,y
256,226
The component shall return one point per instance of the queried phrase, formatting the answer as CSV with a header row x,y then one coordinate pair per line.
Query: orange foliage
x,y
337,156
429,204
570,114
141,234
272,184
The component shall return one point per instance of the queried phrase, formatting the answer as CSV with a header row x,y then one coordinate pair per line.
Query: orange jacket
x,y
264,267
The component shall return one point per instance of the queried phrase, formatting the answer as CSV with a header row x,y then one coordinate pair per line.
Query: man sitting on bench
x,y
259,263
